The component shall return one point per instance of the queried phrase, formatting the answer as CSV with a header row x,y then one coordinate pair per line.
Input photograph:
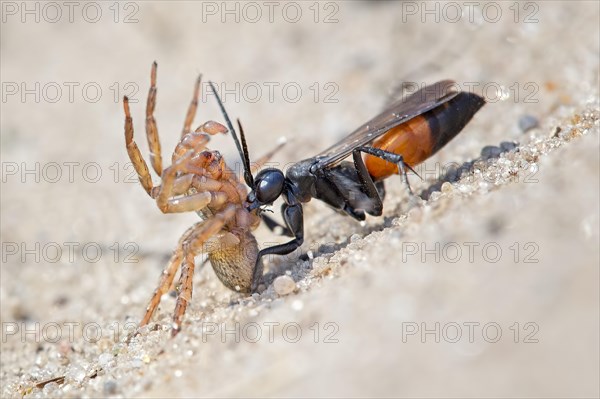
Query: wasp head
x,y
268,186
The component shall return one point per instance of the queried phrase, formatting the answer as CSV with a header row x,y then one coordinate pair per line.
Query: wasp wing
x,y
404,109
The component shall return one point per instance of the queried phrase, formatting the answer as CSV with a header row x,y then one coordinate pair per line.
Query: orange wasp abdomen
x,y
422,136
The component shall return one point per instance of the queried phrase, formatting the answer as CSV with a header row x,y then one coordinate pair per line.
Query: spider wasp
x,y
405,134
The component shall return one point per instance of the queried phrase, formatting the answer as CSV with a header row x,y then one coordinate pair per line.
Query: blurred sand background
x,y
369,286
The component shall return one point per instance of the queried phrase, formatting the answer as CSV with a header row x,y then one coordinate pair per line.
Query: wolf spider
x,y
198,180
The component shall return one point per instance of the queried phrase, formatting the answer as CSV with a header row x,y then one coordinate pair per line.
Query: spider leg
x,y
185,203
134,152
166,279
182,184
151,129
185,290
197,139
192,246
191,112
167,276
201,183
205,183
173,185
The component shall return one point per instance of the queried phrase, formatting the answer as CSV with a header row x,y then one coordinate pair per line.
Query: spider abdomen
x,y
234,264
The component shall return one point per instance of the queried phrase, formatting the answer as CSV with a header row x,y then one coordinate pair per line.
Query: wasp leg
x,y
151,129
191,112
393,158
380,189
367,182
348,188
272,224
294,219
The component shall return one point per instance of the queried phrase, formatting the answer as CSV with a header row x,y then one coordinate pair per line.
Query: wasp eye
x,y
268,185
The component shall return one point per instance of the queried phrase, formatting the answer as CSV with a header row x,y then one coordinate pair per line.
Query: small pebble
x,y
506,146
465,168
447,187
284,285
452,174
528,122
490,151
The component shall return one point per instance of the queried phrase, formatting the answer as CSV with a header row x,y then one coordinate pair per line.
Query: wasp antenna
x,y
247,173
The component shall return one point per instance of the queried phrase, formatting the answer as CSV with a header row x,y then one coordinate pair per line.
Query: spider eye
x,y
268,185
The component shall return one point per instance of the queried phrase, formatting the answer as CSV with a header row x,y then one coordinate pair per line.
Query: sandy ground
x,y
486,288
